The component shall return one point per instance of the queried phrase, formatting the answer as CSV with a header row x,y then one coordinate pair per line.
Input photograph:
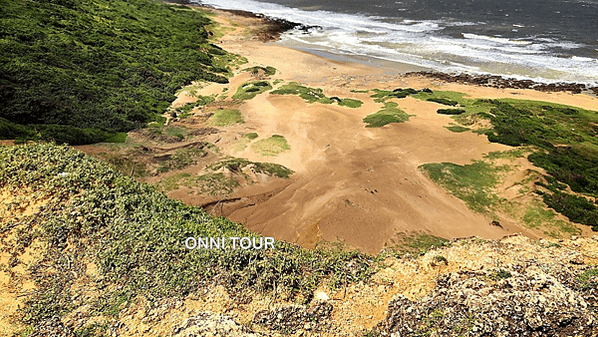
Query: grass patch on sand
x,y
271,146
236,165
350,103
389,114
241,144
566,139
472,183
226,117
380,96
250,89
313,95
415,243
181,158
457,128
261,71
536,216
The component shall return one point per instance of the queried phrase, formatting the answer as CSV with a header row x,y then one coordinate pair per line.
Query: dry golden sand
x,y
357,185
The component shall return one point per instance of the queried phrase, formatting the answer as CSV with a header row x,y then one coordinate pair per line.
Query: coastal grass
x,y
563,140
242,143
271,146
567,148
226,117
536,216
390,113
250,89
415,243
181,158
80,72
257,70
236,165
134,236
472,183
457,128
313,95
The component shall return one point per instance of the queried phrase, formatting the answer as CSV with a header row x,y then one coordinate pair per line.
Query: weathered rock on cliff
x,y
208,324
294,317
518,301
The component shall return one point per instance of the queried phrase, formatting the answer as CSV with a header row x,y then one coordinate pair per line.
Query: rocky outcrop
x,y
208,324
518,301
505,83
293,317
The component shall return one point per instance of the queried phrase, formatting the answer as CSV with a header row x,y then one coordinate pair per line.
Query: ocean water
x,y
543,40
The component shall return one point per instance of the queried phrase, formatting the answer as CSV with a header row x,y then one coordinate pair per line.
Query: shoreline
x,y
276,27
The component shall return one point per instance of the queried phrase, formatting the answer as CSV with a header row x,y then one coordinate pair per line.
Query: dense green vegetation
x,y
389,114
313,95
567,144
79,72
135,237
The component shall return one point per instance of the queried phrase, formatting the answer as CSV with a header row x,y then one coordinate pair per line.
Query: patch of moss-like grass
x,y
509,154
389,114
313,95
125,164
251,89
256,70
172,182
588,280
350,103
135,236
242,143
457,128
472,183
536,216
226,117
380,96
271,146
415,243
236,165
215,184
180,159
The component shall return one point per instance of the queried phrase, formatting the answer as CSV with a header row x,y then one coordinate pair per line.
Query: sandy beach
x,y
353,184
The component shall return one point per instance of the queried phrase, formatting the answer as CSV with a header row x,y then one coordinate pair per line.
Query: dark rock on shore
x,y
505,83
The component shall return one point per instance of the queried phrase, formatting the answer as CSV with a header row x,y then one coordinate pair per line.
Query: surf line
x,y
237,242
